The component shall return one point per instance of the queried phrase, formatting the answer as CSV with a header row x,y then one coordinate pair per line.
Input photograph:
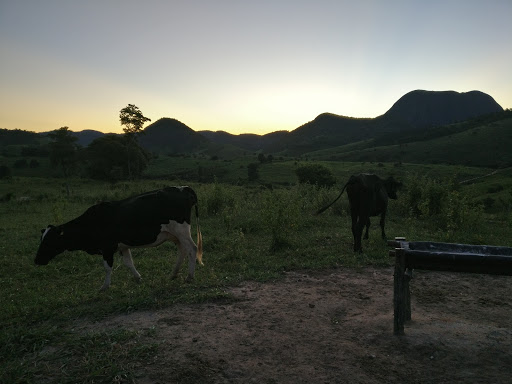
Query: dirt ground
x,y
336,326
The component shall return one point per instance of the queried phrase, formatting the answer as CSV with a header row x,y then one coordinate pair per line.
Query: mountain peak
x,y
422,108
171,135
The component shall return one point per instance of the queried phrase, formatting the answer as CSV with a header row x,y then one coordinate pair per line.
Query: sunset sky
x,y
242,66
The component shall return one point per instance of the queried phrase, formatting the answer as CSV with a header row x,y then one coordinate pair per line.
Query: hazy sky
x,y
242,66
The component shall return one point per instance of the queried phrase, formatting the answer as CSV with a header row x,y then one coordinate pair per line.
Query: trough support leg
x,y
407,293
399,293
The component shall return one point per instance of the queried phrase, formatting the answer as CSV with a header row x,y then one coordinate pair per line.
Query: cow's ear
x,y
61,233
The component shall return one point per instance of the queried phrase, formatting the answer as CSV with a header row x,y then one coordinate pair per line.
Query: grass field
x,y
250,232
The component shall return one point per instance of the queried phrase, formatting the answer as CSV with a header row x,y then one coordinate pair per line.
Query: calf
x,y
368,196
145,220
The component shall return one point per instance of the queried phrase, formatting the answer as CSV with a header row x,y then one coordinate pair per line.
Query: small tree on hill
x,y
133,120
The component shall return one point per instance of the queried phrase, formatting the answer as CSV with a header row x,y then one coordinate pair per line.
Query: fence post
x,y
400,293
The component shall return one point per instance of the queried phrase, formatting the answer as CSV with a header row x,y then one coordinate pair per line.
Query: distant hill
x,y
484,142
87,136
418,116
423,109
171,135
416,111
247,141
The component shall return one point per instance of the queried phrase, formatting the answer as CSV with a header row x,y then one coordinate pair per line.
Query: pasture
x,y
57,327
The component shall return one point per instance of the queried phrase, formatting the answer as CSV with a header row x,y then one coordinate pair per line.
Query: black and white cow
x,y
145,220
368,196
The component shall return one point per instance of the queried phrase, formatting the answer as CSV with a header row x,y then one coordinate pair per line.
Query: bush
x,y
315,174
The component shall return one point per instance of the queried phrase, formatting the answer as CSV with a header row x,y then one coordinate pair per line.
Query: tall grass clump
x,y
280,211
440,204
216,197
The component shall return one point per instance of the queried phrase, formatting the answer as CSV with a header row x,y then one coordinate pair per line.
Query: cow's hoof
x,y
104,288
189,279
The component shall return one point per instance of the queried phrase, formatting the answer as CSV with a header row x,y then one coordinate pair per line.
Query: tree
x,y
63,149
315,174
108,159
133,120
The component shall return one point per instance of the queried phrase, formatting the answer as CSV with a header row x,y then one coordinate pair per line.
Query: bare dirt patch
x,y
335,326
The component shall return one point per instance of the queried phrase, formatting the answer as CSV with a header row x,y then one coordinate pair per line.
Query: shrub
x,y
315,174
441,203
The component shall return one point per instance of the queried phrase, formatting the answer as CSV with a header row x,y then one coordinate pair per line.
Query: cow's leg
x,y
186,248
382,222
108,262
357,231
367,227
190,249
128,261
359,234
181,256
354,215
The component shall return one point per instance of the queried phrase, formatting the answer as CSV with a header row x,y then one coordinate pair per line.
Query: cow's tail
x,y
199,253
335,200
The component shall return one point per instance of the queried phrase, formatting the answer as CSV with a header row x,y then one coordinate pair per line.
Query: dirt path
x,y
335,326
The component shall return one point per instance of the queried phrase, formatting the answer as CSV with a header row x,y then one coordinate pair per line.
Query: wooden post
x,y
399,292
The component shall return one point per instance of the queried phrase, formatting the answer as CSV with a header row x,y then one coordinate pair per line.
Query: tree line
x,y
110,157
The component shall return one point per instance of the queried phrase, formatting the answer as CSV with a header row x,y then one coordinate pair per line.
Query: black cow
x,y
145,220
368,196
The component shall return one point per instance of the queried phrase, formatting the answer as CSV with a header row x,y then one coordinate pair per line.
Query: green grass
x,y
250,233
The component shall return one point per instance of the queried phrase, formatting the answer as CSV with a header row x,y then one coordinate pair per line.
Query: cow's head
x,y
392,186
52,243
